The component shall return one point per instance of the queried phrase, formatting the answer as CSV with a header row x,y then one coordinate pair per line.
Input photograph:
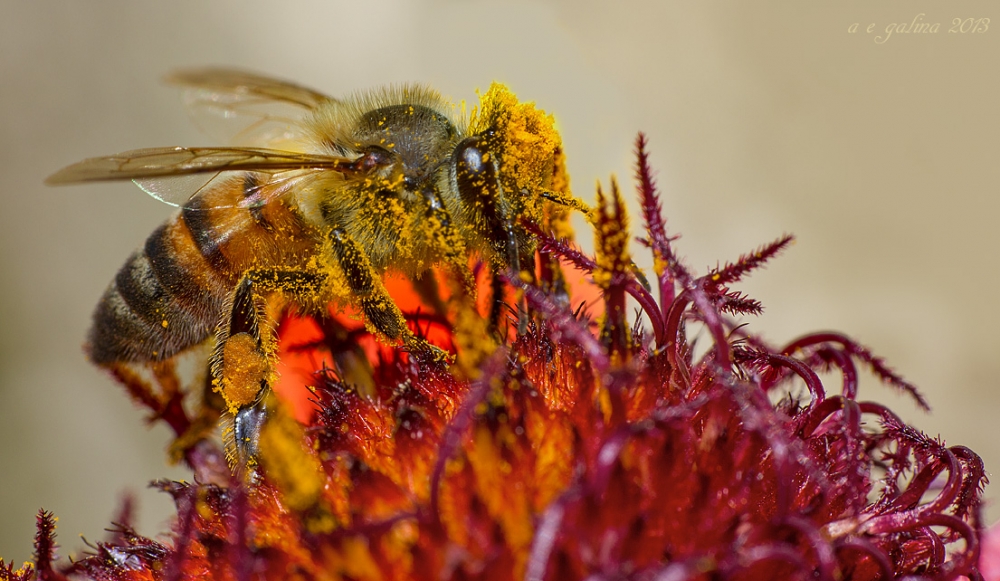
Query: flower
x,y
568,445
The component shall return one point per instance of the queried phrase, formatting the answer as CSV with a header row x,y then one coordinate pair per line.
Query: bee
x,y
309,207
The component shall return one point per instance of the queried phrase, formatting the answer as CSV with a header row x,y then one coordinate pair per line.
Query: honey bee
x,y
310,207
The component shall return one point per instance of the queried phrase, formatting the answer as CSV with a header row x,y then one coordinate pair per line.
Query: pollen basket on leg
x,y
244,370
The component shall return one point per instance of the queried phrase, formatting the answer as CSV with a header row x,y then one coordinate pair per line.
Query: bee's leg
x,y
243,367
446,236
479,187
349,359
497,287
241,370
427,288
381,313
551,277
566,201
451,246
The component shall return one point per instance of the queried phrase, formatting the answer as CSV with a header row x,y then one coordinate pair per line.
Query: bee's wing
x,y
238,83
244,108
175,174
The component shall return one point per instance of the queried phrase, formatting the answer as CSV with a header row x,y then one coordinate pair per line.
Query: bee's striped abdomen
x,y
166,298
171,294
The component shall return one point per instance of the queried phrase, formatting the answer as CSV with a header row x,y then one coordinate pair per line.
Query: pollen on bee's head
x,y
525,139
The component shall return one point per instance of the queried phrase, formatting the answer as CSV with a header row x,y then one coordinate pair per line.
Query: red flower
x,y
574,448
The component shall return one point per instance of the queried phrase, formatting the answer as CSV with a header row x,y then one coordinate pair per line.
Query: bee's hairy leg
x,y
497,286
381,312
243,366
447,238
350,362
429,291
479,187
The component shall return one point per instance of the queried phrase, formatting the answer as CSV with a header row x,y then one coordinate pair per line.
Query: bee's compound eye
x,y
473,158
469,157
475,174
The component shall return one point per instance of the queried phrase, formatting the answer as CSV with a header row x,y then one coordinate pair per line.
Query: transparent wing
x,y
223,81
244,108
175,174
169,161
261,188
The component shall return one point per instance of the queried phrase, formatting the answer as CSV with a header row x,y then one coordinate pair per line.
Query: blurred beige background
x,y
764,117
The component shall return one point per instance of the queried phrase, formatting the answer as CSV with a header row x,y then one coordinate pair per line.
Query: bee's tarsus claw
x,y
242,440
